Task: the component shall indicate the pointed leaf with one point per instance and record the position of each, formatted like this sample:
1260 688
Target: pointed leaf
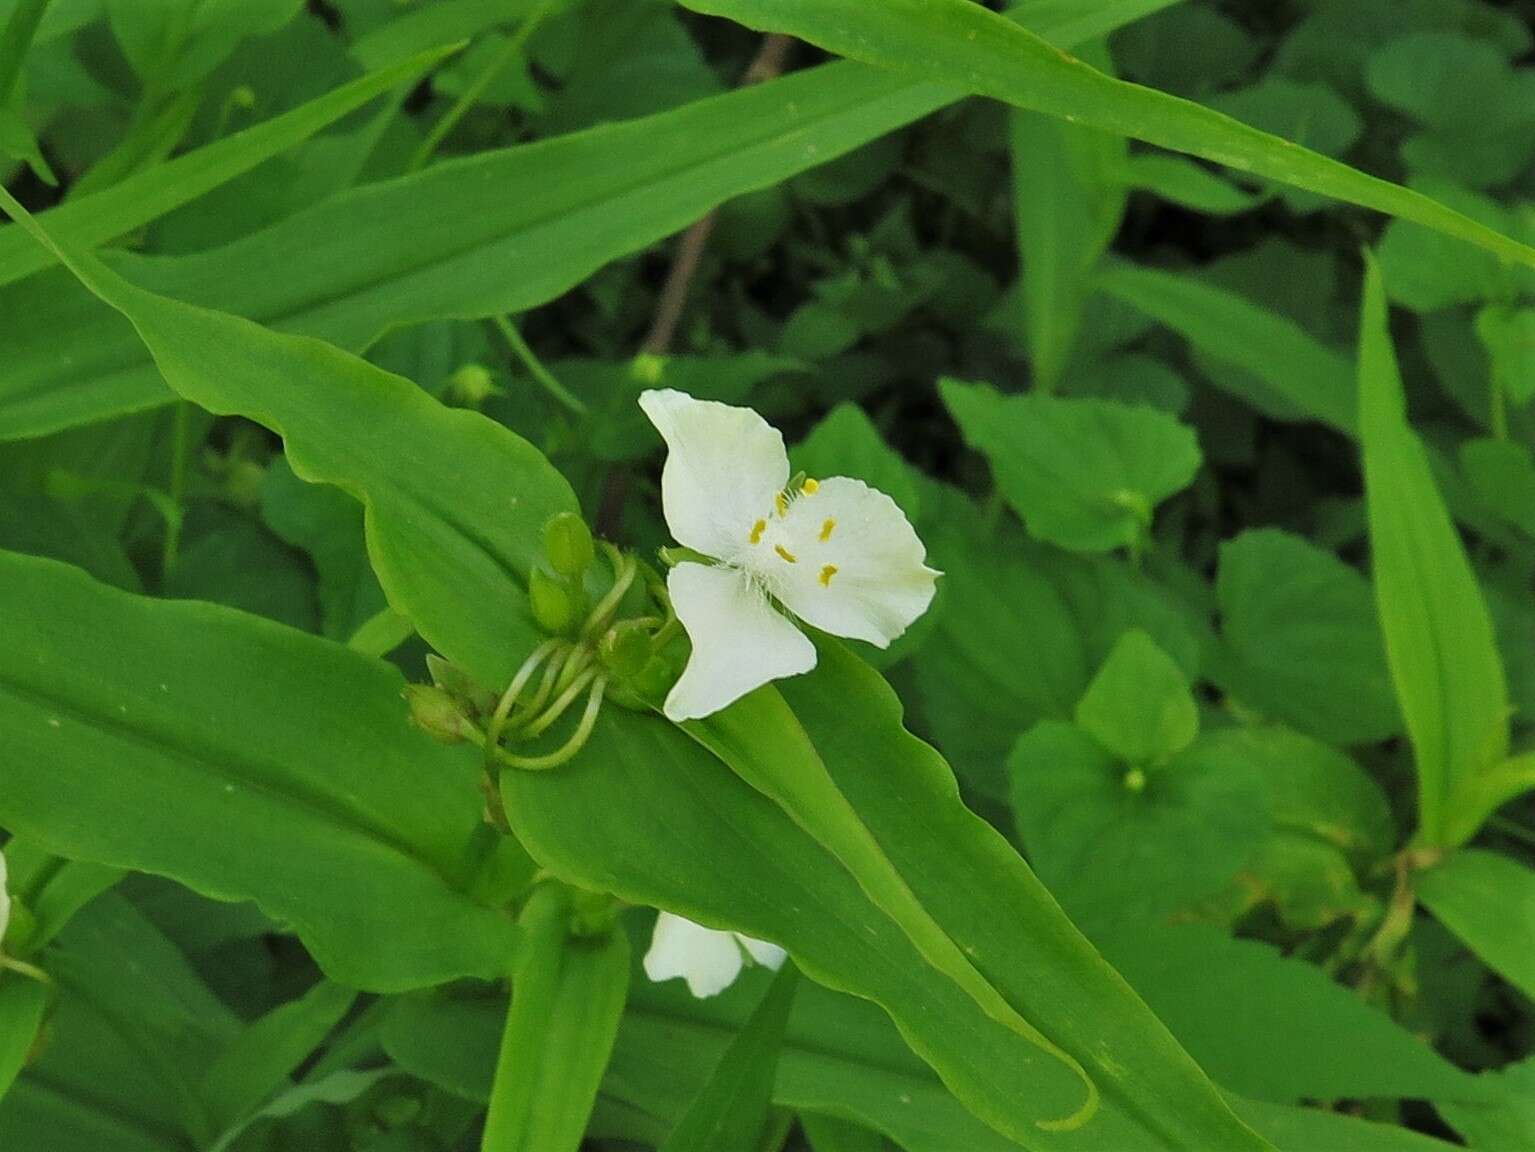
144 754
1488 901
1439 640
731 1113
567 996
965 44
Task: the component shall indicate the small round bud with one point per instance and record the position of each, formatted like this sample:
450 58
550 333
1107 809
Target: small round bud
1135 780
435 712
625 649
556 605
592 914
471 386
459 684
568 544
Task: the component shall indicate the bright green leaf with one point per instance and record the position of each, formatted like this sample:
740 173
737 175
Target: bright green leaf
1109 839
731 1113
567 996
1439 641
1488 901
964 44
1316 380
139 754
1139 706
1303 639
1084 474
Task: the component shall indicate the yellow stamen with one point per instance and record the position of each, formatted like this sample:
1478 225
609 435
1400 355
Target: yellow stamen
826 530
809 487
781 502
757 530
826 574
785 553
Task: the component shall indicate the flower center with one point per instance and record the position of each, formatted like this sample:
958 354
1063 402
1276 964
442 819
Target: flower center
785 537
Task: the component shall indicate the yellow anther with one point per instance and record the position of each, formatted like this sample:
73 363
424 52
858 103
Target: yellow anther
826 574
809 487
757 530
781 502
786 554
826 530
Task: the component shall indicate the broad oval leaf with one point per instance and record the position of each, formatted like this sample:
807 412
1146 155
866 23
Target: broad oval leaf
1304 643
246 761
1086 475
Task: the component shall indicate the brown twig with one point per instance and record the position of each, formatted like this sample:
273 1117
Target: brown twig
768 63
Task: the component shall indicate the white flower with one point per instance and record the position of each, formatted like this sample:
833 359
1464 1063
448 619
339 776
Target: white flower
707 959
838 554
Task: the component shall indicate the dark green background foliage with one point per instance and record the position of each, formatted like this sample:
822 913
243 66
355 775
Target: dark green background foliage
1202 359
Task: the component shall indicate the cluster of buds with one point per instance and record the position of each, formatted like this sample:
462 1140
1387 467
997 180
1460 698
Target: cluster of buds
609 636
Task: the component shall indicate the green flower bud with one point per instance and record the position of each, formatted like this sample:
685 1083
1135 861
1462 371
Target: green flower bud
592 914
471 386
625 649
556 603
459 684
568 544
435 712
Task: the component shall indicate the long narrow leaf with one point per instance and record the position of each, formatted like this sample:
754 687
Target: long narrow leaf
962 43
498 232
567 997
1439 640
148 195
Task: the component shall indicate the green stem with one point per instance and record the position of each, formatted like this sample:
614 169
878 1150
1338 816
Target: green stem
471 95
545 378
1499 406
180 437
557 709
624 570
503 710
22 968
572 746
546 683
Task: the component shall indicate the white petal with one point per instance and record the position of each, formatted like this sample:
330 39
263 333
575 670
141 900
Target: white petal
768 955
844 558
724 466
740 641
708 960
5 899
